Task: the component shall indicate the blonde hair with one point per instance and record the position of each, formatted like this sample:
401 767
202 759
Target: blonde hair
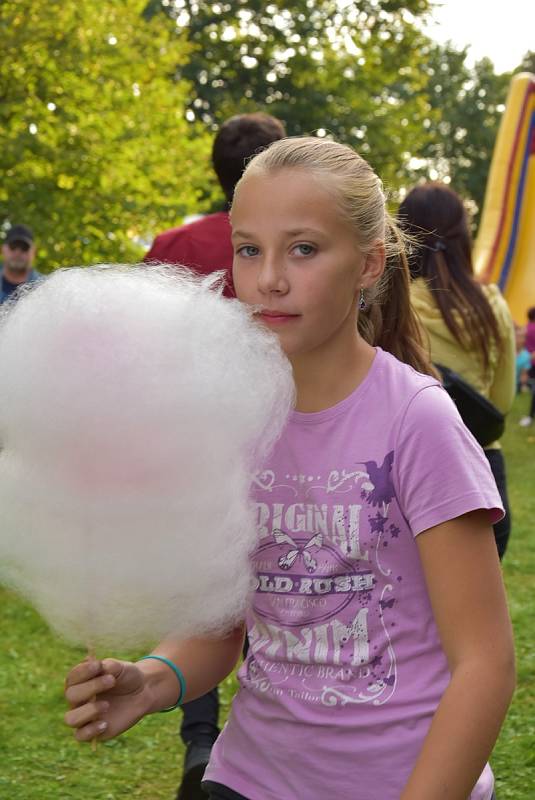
388 319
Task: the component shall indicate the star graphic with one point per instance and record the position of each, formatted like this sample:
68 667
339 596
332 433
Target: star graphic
377 523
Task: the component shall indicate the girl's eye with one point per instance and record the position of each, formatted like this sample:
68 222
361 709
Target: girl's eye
247 250
304 249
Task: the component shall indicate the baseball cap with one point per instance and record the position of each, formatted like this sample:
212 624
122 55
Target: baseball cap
20 233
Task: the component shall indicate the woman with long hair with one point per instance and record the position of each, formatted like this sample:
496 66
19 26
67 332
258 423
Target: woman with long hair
469 324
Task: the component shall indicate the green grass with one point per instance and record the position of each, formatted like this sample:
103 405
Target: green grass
39 759
514 756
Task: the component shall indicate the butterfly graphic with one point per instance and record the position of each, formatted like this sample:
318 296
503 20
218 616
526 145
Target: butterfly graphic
286 561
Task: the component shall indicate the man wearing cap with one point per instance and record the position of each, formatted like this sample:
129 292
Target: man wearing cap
18 253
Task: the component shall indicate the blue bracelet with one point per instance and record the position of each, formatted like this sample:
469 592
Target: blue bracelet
179 675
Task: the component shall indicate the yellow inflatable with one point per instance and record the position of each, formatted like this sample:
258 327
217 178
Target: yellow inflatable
505 247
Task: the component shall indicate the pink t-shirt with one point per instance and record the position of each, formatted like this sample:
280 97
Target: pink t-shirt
345 667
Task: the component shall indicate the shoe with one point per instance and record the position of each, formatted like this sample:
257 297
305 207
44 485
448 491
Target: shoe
195 762
525 422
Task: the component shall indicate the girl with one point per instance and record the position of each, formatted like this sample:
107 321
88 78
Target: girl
381 661
469 325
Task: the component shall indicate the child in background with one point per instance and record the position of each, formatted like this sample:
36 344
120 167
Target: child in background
523 360
381 661
529 345
530 331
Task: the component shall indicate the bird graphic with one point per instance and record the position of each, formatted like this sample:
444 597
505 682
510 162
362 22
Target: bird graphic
383 488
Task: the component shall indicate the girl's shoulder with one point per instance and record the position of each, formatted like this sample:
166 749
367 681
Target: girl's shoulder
400 388
404 379
416 396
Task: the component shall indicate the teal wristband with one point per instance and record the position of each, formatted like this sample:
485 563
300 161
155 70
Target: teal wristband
180 678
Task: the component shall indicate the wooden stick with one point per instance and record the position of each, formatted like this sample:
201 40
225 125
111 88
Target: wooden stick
91 657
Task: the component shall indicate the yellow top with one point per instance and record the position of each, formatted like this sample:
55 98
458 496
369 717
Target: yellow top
497 382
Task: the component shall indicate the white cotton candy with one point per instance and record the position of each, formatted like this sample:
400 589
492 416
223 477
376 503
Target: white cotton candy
135 403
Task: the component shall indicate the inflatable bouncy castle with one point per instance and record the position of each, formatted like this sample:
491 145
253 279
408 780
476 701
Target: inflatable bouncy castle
505 246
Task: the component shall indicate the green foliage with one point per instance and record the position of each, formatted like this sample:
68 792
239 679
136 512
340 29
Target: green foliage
353 70
528 63
108 108
468 104
363 72
40 758
95 152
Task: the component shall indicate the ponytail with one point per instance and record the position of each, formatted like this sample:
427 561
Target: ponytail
389 320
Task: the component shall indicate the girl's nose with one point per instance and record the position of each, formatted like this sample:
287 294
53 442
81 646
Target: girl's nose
272 277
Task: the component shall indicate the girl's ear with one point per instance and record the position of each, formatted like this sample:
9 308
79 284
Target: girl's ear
374 264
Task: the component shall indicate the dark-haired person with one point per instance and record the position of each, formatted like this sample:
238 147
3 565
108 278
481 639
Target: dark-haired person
205 246
18 253
469 325
529 344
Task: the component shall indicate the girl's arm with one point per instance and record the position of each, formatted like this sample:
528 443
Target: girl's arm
204 662
464 581
108 697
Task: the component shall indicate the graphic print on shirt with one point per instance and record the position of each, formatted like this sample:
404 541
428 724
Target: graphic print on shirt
324 603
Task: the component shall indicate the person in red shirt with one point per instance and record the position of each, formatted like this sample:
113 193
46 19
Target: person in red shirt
205 246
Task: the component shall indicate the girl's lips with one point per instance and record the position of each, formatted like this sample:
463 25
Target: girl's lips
275 317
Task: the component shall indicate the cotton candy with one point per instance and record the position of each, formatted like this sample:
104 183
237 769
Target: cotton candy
135 405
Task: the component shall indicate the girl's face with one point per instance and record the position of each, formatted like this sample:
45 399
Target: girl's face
298 260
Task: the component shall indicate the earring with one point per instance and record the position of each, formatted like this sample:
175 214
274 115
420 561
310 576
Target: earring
362 301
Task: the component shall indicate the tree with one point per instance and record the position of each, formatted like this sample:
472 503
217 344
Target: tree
528 63
467 104
96 153
345 68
